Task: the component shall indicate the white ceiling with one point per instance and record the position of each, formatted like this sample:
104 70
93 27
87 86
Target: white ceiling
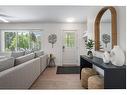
48 13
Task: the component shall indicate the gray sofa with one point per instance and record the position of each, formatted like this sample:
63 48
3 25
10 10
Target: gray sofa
26 70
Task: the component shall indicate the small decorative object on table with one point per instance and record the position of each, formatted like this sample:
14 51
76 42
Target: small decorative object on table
106 57
89 46
117 56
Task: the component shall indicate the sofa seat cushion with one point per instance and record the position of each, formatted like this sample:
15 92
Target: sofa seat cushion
39 53
24 58
17 54
6 63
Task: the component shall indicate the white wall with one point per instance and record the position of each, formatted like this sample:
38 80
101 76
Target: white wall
121 27
56 28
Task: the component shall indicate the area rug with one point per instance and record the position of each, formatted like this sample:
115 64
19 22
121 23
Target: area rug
68 70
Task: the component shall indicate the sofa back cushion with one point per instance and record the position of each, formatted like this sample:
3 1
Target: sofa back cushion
24 58
6 54
17 54
28 52
2 57
39 53
6 63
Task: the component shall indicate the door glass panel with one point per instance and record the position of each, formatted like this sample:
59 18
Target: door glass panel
69 39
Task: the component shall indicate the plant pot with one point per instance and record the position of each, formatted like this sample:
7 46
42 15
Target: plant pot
90 54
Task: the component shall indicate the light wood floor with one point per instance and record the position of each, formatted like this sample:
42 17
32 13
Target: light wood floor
50 80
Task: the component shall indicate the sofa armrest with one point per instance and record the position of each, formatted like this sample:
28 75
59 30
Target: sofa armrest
43 62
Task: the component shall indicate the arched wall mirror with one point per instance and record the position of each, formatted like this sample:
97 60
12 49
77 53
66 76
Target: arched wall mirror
105 29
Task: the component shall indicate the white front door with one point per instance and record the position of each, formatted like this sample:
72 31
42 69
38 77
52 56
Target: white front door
69 49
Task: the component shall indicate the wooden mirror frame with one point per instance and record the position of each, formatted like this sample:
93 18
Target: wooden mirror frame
113 26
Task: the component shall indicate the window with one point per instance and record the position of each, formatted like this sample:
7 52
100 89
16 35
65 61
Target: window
17 40
35 40
10 40
69 39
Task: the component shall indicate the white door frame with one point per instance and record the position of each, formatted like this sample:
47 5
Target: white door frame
76 35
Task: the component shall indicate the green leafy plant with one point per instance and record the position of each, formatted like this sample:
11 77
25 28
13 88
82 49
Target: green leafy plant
33 37
89 44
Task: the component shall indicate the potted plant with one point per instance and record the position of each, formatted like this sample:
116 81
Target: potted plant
89 46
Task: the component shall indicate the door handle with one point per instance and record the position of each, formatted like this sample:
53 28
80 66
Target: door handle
63 48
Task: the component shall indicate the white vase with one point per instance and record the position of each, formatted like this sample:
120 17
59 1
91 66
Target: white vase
106 57
117 56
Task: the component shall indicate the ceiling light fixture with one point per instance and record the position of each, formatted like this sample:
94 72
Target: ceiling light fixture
4 20
70 19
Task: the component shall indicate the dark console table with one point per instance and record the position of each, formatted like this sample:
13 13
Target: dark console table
114 76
